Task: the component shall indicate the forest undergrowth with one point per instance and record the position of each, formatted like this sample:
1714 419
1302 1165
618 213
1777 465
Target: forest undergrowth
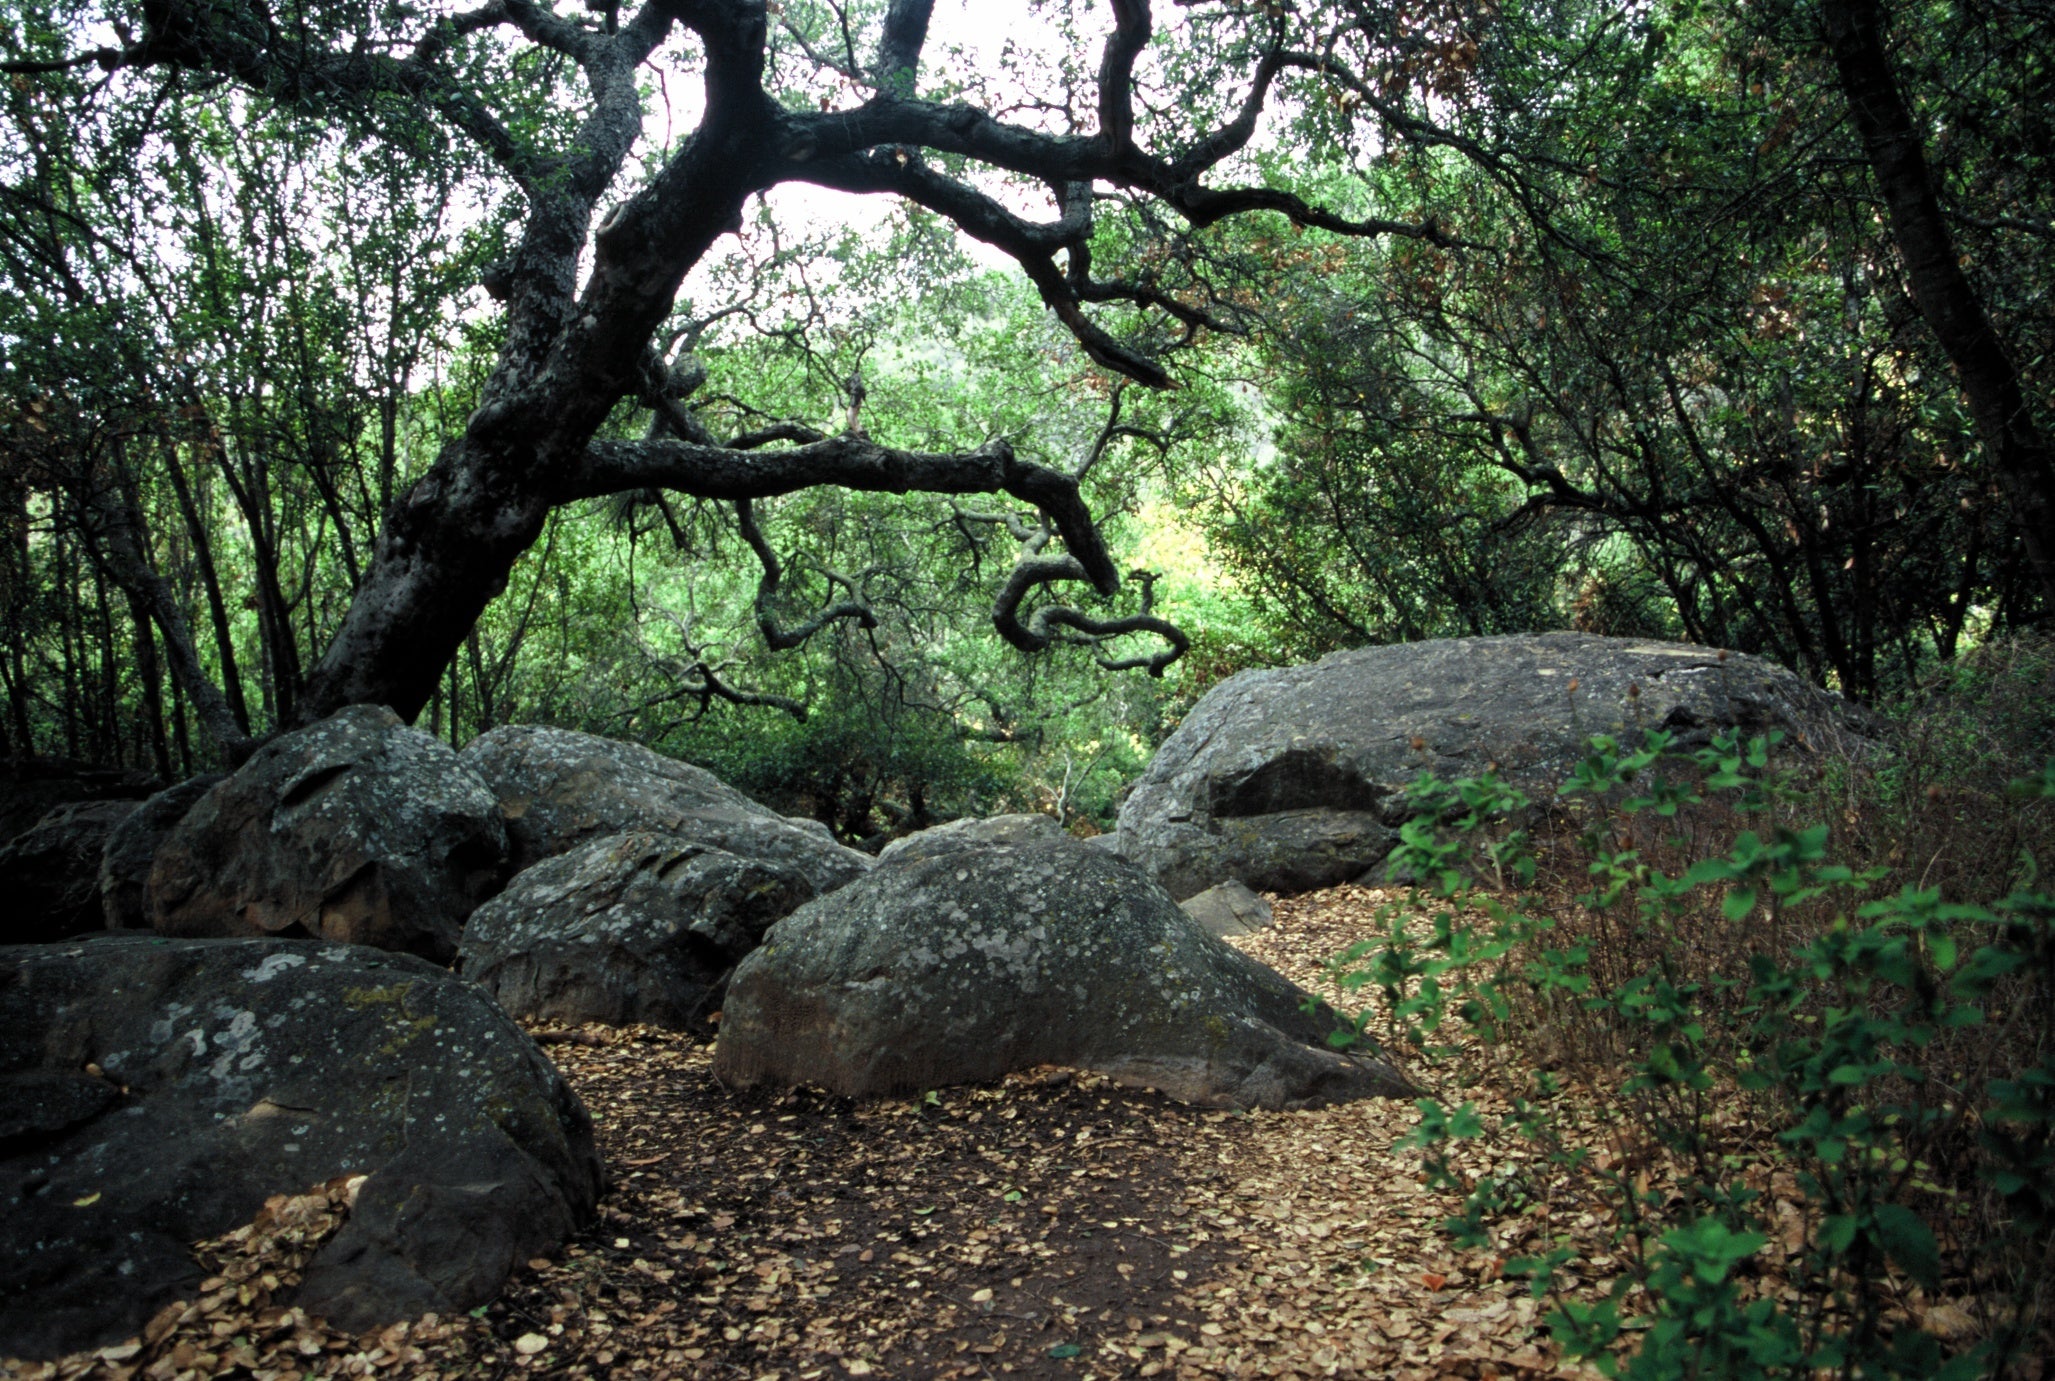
1809 998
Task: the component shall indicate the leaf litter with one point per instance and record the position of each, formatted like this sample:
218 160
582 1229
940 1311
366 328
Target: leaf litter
1051 1225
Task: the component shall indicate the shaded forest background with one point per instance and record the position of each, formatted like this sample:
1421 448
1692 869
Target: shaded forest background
1657 369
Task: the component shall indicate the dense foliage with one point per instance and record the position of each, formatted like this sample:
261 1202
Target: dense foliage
1563 314
1674 380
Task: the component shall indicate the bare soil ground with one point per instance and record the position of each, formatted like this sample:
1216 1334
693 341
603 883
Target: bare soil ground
1053 1225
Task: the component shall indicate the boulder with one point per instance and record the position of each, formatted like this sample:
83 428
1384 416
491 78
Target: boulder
962 965
811 826
634 927
356 829
969 834
50 875
1294 778
154 1092
1228 908
132 849
559 788
30 788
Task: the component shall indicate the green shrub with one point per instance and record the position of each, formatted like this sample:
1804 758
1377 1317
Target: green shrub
1763 1011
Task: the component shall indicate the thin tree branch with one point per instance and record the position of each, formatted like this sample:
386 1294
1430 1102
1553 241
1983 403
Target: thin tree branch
781 639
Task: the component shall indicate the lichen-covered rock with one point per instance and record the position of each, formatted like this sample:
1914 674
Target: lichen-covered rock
1294 778
132 849
154 1092
969 834
356 829
1228 908
50 874
972 962
637 927
559 788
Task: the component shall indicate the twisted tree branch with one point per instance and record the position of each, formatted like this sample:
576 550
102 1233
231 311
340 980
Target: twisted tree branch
778 638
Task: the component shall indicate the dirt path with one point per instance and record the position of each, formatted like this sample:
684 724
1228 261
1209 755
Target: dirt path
1052 1226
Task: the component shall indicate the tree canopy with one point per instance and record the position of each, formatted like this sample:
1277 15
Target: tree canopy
483 362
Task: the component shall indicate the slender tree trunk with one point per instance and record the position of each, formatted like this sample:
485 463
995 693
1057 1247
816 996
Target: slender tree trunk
481 685
1940 289
217 606
67 605
151 673
180 737
107 733
22 742
122 549
252 491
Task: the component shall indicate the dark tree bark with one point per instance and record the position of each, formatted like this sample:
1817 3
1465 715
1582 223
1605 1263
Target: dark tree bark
1942 291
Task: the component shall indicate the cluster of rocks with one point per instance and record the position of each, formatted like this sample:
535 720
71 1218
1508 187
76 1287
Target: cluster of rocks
243 984
238 987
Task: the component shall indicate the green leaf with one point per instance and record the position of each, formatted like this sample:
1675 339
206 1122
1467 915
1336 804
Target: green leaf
1063 1352
1910 1243
1737 905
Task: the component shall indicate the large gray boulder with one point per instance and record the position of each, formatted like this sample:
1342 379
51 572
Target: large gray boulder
154 1092
968 963
559 788
131 851
637 927
1294 779
50 874
969 833
356 829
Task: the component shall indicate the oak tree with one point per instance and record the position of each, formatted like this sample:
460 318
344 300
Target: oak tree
612 218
